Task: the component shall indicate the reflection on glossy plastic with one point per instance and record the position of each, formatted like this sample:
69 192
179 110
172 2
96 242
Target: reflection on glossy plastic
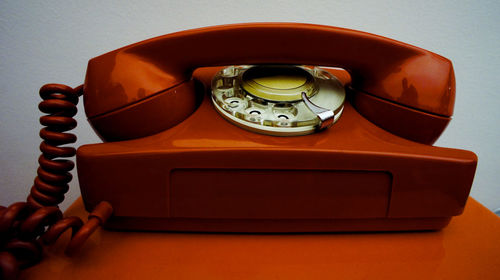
466 249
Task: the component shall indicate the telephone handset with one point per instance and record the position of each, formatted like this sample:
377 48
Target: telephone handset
151 81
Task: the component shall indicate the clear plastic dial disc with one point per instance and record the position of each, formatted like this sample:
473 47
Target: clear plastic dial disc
281 100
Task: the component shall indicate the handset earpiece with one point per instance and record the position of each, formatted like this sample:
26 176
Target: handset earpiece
151 115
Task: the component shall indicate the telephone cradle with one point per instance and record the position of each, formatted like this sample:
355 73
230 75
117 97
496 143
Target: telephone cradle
262 127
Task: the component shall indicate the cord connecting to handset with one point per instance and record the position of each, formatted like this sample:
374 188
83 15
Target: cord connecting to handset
25 226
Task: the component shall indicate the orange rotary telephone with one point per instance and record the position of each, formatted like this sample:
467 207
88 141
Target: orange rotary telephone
247 128
186 151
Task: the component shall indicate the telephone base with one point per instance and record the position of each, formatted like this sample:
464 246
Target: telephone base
206 174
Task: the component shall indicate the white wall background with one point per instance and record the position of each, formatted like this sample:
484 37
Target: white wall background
51 41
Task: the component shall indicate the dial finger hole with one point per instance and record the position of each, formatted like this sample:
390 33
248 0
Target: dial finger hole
234 103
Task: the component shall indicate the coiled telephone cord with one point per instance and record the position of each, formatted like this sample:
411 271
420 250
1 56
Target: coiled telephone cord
25 226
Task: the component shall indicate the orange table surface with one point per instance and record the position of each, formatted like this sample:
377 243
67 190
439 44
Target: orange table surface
469 248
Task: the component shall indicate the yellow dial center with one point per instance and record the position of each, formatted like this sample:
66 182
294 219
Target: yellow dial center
278 83
281 81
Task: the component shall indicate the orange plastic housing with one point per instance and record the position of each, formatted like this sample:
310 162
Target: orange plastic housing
172 163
